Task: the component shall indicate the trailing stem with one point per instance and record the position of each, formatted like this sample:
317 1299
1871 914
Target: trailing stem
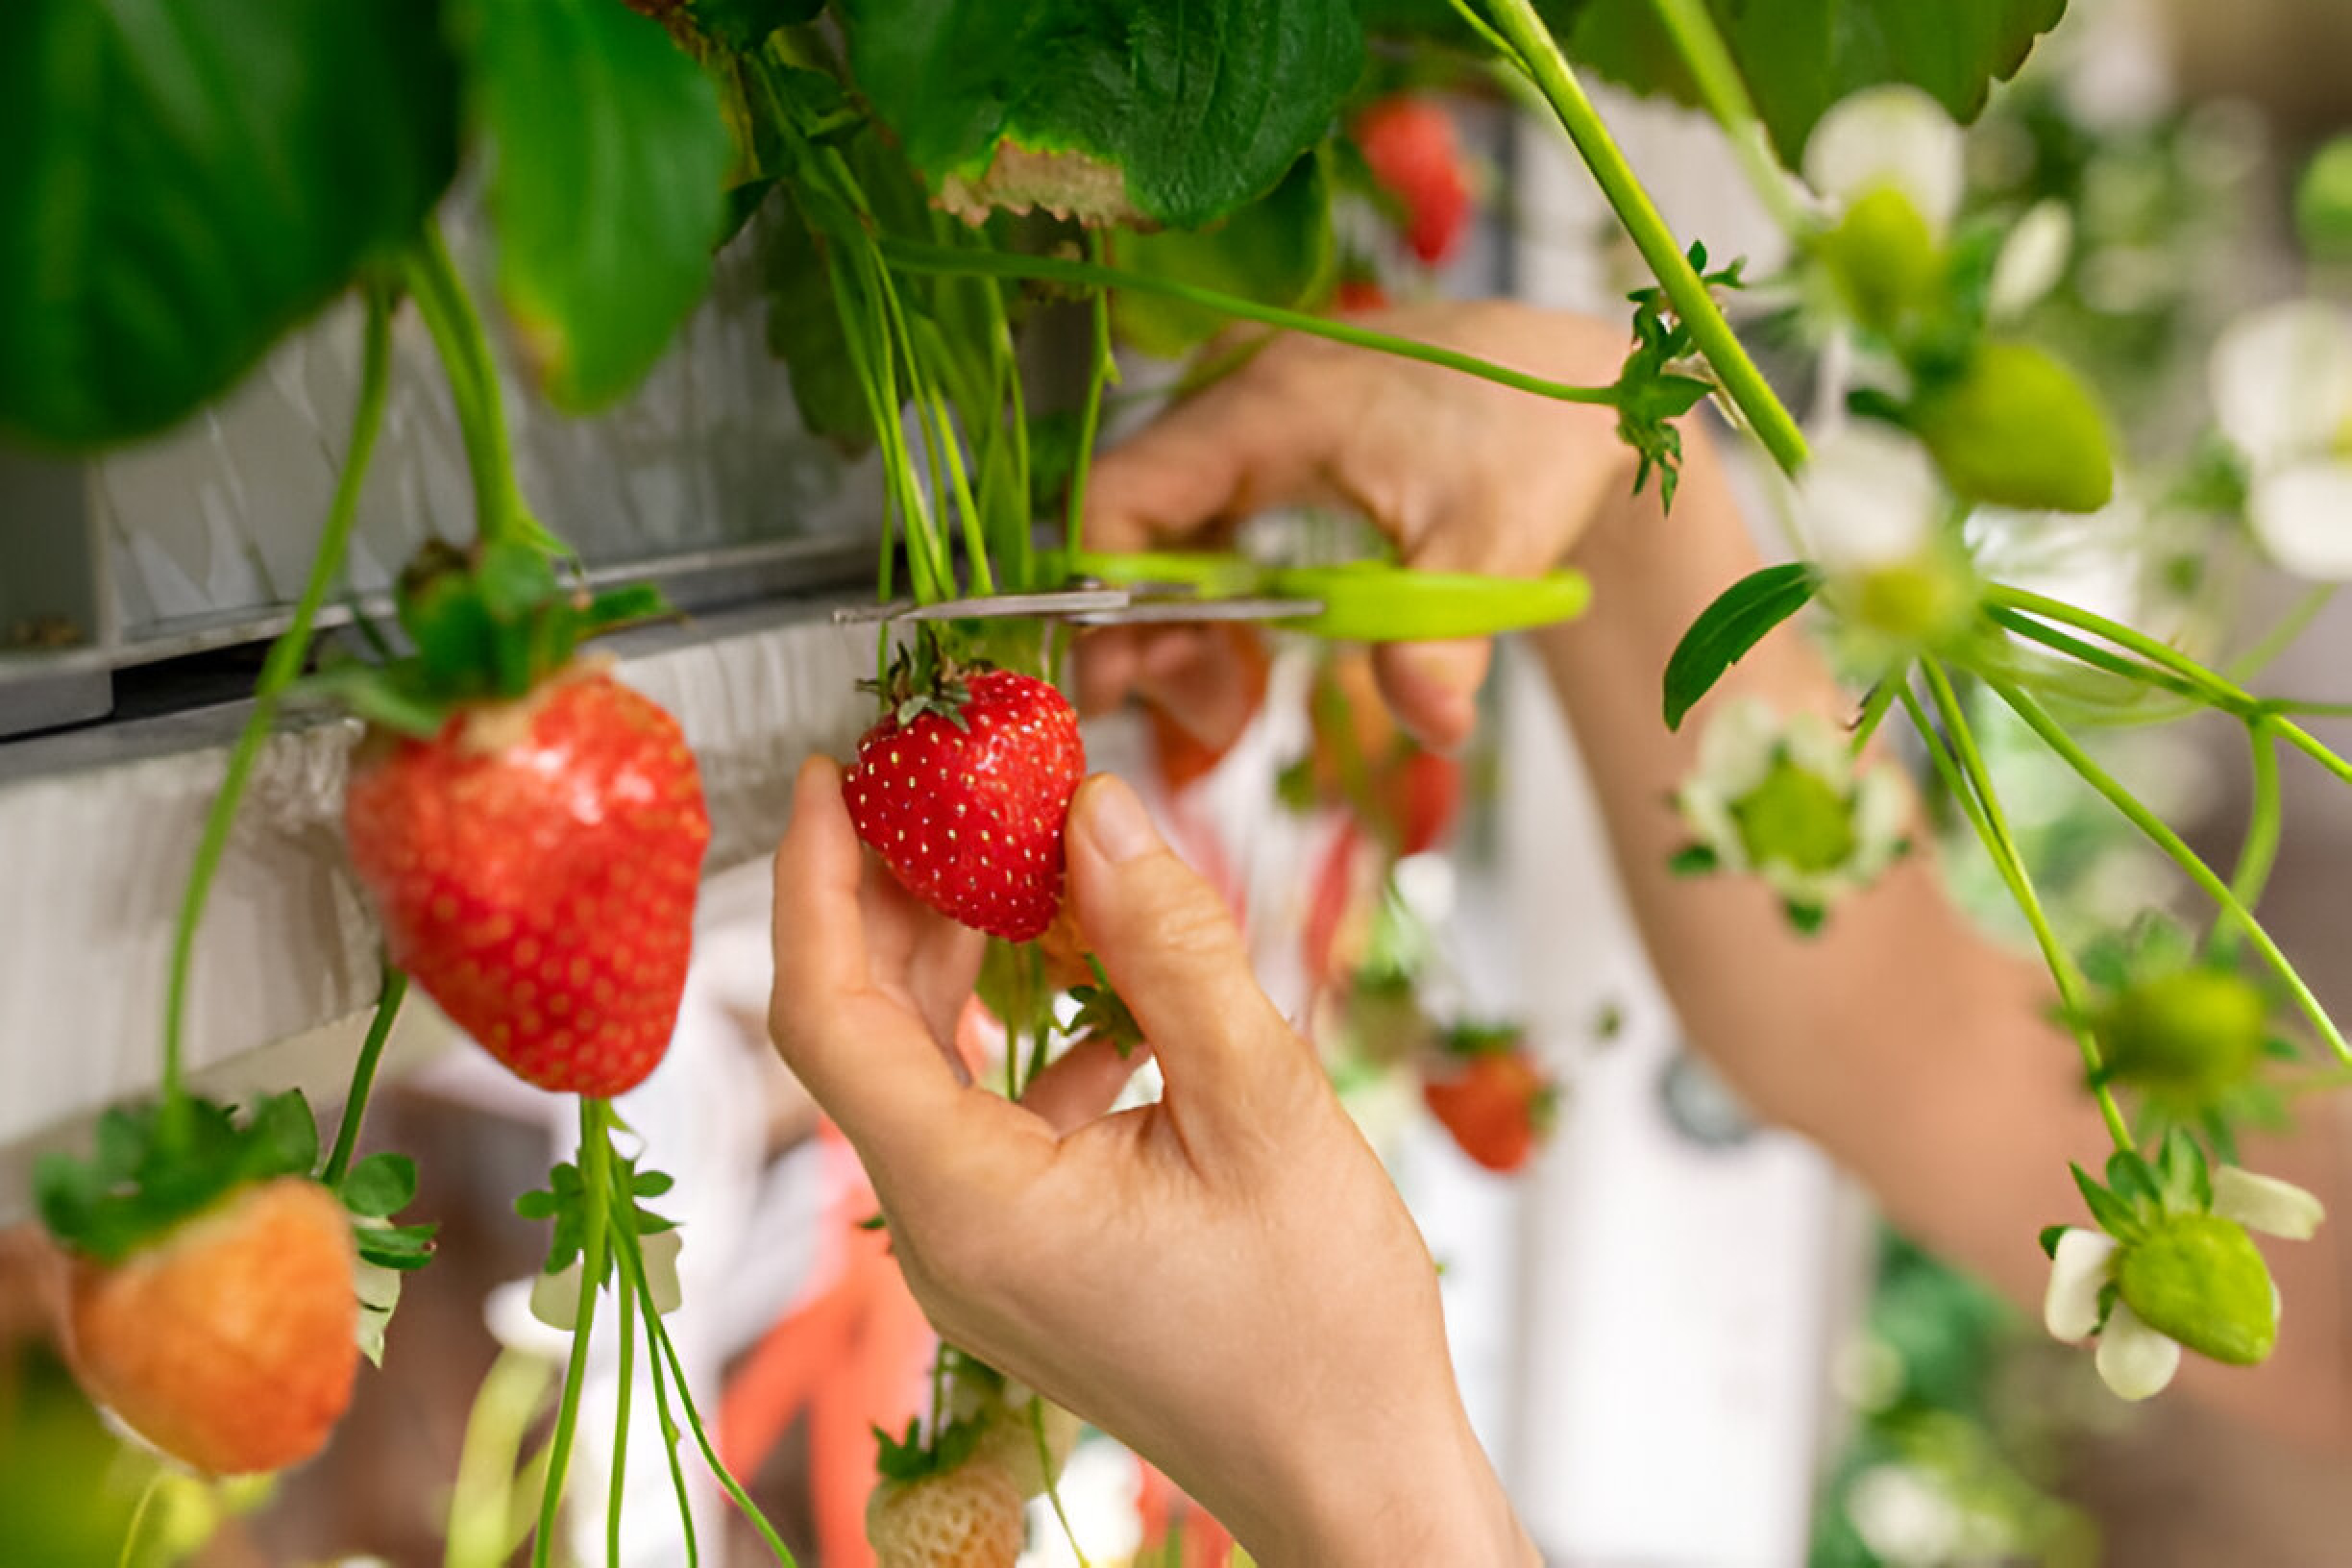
1742 381
279 667
1961 765
363 1073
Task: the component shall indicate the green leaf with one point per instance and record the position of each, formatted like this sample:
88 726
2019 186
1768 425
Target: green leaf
1694 860
2113 1216
1728 628
1799 56
741 25
804 328
380 1186
1195 109
608 186
282 1137
182 184
1276 251
652 1184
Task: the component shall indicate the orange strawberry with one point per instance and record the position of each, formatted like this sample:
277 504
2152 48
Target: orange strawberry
230 1341
964 787
535 864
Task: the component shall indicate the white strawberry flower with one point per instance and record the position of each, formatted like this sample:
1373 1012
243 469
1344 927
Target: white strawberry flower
2032 259
1785 799
2086 1296
2281 382
1889 138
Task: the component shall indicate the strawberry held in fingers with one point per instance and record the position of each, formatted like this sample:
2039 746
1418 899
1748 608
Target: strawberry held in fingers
964 788
535 847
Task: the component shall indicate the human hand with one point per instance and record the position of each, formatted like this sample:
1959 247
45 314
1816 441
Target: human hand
1225 1280
1461 475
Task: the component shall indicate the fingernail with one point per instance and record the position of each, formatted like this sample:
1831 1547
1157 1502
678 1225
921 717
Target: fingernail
1115 822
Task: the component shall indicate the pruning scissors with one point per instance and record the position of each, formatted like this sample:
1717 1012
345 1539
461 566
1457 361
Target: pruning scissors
1366 601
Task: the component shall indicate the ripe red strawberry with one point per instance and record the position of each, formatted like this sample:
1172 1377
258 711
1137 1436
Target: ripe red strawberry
969 1515
1493 1098
964 789
535 866
1410 146
230 1341
1423 792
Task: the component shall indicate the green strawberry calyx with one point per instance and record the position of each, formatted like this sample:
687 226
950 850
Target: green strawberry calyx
483 625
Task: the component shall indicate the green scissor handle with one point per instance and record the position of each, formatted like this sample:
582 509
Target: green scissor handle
1369 601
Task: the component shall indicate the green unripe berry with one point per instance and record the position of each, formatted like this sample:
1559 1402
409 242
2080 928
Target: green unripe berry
2324 202
2018 429
1884 259
1795 816
2194 1032
2197 1278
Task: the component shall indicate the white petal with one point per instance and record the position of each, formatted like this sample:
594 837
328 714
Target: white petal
661 1254
2303 517
1888 136
2078 1270
1703 807
554 1298
1868 499
2281 380
2134 1359
1737 750
2265 1204
2032 259
1819 746
1883 810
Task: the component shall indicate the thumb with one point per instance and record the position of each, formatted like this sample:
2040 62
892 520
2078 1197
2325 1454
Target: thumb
1171 949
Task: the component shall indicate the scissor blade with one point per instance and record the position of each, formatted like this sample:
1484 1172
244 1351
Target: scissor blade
1061 603
1167 611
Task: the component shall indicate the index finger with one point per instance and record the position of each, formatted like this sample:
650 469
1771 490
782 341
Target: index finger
868 1058
1244 445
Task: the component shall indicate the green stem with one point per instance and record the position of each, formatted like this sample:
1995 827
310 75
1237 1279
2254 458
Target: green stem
663 1349
2097 658
596 1192
618 1483
1981 803
1053 1486
1692 28
279 667
927 564
1874 706
1742 381
2264 823
1099 368
2158 833
500 514
2282 633
363 1074
130 1556
2213 687
669 1424
1052 269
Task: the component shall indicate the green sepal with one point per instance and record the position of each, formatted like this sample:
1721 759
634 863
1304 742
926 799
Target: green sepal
1482 1038
485 625
1694 860
2113 1216
1649 392
2185 1183
1806 920
910 1458
2052 1236
564 1200
2130 1178
1103 1013
151 1169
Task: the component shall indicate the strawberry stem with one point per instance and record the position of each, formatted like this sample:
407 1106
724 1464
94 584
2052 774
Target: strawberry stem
1053 1482
616 1485
595 1194
661 1405
279 667
499 512
363 1074
1100 368
661 1350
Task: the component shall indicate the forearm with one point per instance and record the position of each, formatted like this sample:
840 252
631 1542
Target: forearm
1916 1052
1437 1501
1892 1035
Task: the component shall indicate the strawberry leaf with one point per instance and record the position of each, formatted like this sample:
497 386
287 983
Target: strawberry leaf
380 1186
